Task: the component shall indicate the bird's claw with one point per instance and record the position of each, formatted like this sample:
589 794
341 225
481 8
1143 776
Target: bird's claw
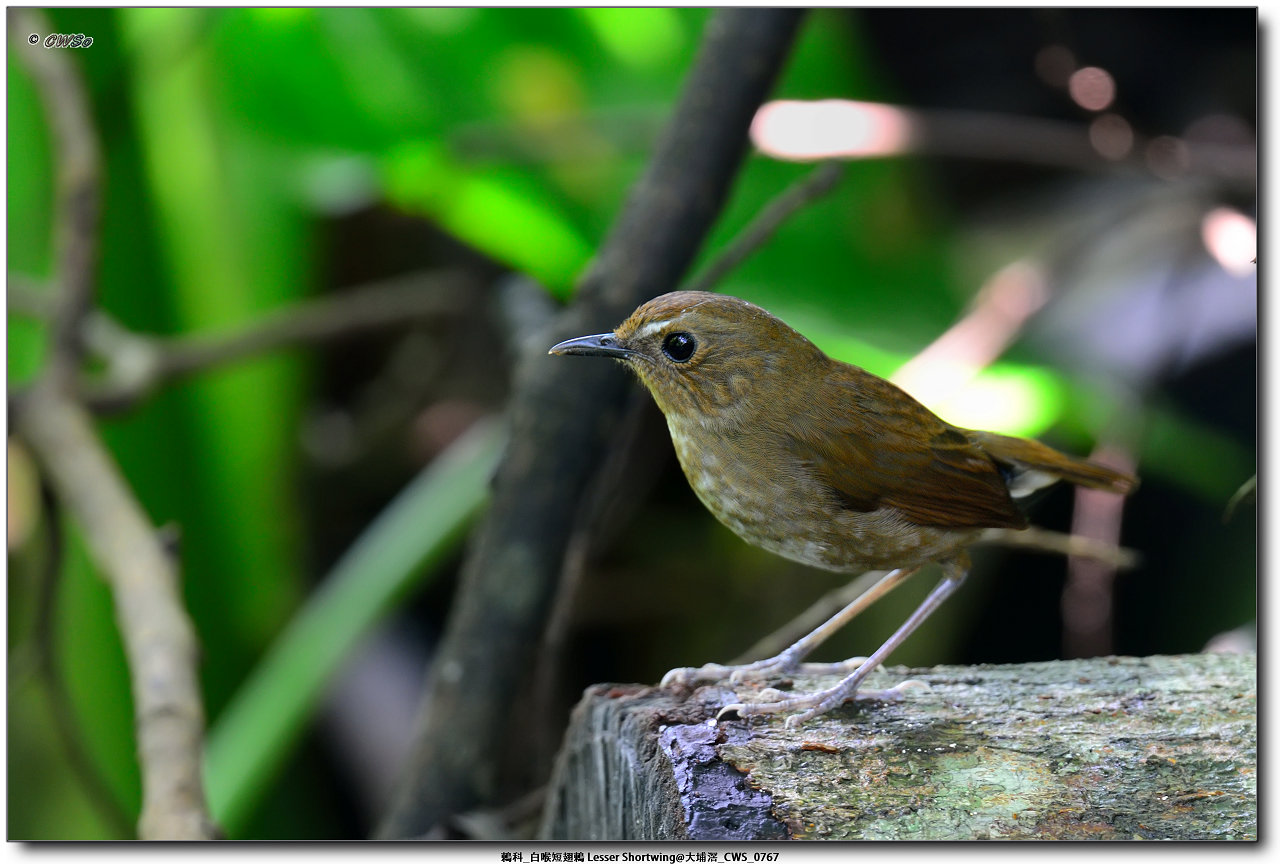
741 674
810 705
687 675
731 708
902 686
684 676
677 677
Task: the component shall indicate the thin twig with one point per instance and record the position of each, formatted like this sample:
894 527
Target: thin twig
1039 539
137 365
401 300
1055 542
76 208
1248 490
809 620
794 198
395 301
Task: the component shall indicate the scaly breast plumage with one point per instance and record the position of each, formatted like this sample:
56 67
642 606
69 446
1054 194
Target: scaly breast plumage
783 515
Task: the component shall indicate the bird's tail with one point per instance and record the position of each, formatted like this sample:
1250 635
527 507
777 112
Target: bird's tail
1031 465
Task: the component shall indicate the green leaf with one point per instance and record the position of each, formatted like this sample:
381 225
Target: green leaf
232 245
394 555
506 219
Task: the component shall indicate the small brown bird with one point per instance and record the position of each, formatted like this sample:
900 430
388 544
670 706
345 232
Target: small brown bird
823 463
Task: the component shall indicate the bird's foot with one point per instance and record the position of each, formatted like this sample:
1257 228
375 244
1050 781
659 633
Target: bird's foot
685 676
783 664
810 705
733 674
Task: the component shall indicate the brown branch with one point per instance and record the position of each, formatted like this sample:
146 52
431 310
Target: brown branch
158 637
562 419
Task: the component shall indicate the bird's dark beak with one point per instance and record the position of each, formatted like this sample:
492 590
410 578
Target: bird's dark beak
602 345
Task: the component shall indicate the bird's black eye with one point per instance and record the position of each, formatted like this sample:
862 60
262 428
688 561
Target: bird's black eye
679 346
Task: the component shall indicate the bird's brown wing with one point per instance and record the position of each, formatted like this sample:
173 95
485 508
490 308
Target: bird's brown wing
1025 454
875 446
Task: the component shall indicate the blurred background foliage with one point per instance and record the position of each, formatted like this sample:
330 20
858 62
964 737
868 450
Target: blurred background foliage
255 158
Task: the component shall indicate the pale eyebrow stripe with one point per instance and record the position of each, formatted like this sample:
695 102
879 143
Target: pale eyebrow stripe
651 328
656 326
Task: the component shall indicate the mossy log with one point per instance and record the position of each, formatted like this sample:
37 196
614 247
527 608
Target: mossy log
1108 748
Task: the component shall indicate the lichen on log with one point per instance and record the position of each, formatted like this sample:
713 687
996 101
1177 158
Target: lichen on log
1107 748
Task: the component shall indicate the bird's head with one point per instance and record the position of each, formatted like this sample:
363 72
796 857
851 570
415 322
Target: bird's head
706 356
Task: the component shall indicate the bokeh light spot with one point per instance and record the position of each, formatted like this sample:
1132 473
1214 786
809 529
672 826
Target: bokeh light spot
1111 136
641 38
1231 238
1010 398
1092 88
830 128
537 85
